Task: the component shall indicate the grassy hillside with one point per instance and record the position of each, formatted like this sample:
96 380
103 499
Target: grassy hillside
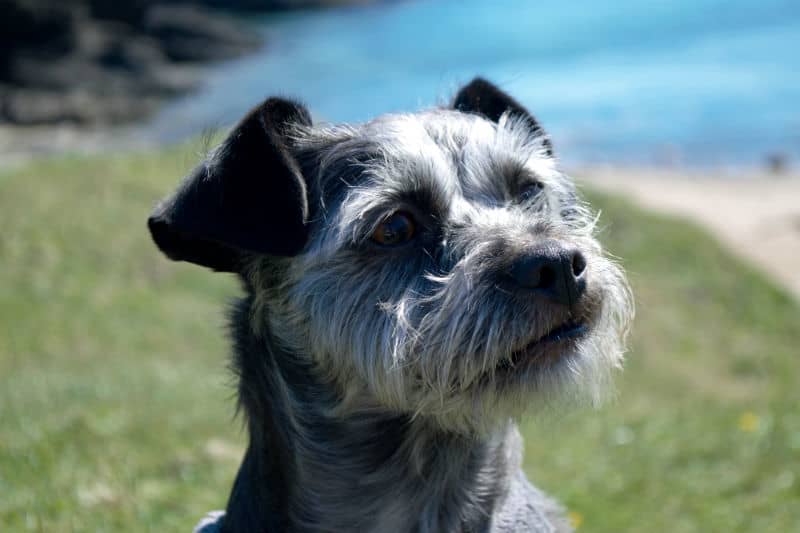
116 408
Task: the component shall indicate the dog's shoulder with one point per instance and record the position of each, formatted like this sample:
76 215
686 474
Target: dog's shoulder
526 508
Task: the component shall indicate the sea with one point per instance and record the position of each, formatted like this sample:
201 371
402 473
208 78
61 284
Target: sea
678 82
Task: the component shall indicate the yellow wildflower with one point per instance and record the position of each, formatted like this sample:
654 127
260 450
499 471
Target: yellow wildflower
748 422
575 519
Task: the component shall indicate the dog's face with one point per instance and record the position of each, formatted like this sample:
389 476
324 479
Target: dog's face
437 263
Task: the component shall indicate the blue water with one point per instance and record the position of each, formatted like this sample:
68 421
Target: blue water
696 82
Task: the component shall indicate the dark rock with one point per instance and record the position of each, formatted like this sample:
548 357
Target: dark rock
34 25
107 61
777 163
274 5
36 107
129 11
185 32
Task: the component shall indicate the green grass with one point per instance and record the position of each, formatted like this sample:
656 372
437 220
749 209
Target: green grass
116 409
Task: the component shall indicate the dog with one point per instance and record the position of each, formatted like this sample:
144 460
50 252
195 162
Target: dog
412 285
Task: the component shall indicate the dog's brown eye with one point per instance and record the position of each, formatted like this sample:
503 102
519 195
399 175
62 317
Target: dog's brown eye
396 229
529 192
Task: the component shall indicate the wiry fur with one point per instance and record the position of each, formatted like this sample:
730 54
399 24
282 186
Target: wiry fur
369 376
380 384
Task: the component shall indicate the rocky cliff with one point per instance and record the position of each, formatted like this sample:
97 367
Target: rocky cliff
97 62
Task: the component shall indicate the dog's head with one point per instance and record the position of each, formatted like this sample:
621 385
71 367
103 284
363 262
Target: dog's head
437 264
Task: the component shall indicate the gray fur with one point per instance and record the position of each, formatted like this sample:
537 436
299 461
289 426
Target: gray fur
380 404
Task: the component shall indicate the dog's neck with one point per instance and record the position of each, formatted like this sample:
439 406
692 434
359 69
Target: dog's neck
307 469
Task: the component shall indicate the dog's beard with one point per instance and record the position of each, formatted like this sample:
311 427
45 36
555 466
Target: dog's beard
448 356
564 373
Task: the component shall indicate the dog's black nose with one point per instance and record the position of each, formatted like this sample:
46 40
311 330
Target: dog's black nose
552 269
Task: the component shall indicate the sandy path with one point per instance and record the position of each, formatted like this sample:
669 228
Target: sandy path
757 217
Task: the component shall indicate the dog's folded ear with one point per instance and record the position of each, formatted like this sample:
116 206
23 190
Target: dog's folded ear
249 197
484 98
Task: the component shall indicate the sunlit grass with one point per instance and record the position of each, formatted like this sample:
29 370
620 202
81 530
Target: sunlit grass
116 409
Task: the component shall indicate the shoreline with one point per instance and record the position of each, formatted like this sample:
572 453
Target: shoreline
754 214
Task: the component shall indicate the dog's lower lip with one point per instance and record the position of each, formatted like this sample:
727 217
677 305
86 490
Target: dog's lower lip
568 330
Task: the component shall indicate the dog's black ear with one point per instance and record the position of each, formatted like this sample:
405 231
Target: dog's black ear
250 196
484 98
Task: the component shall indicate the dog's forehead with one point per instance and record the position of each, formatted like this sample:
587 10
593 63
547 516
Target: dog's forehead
455 151
446 152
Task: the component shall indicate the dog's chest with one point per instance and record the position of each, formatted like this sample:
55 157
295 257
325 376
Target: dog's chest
524 509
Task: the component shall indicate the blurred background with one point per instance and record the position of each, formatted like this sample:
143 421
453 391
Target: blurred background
707 82
679 119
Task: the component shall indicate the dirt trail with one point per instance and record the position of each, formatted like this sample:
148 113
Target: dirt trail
757 217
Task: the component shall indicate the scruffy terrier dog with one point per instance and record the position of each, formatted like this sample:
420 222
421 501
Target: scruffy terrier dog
412 284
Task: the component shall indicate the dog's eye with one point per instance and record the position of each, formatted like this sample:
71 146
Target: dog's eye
529 192
396 229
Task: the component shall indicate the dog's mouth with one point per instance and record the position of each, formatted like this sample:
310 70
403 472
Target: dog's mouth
551 344
568 330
